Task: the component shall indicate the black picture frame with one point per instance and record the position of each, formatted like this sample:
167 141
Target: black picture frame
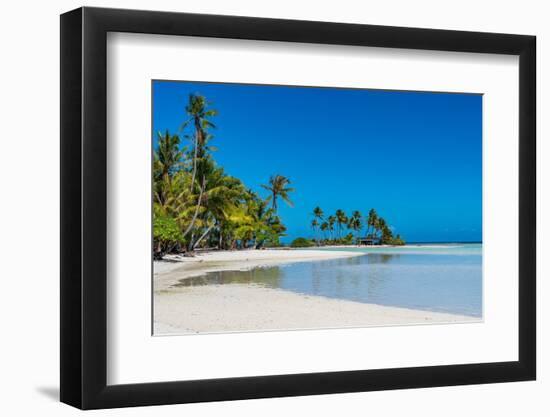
84 207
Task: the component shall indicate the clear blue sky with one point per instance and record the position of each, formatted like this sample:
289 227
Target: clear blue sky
415 157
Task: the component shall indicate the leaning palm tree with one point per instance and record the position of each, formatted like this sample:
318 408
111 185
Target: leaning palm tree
221 197
278 187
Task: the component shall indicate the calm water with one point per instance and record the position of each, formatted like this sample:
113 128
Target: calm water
442 277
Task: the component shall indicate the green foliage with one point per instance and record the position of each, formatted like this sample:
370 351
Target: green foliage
397 241
166 233
348 239
377 228
278 188
196 204
302 242
318 213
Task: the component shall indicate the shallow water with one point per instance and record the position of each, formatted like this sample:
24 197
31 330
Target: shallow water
444 278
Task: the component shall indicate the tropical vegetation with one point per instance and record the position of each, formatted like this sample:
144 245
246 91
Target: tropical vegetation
302 242
328 230
196 204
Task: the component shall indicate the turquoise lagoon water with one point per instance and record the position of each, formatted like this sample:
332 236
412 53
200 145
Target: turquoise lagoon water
436 277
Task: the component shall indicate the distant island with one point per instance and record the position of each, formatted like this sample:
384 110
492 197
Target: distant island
329 230
196 204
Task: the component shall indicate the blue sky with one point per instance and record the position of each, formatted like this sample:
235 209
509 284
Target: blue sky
414 156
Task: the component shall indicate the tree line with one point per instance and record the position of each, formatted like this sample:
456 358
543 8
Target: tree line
330 230
196 204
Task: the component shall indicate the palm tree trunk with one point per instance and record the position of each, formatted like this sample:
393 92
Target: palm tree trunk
203 186
194 162
203 236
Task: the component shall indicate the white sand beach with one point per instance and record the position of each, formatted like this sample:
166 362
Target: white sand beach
249 307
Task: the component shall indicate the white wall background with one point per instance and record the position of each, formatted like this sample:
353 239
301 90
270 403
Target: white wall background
29 174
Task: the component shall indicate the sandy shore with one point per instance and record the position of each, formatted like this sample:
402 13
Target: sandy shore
175 268
240 307
235 307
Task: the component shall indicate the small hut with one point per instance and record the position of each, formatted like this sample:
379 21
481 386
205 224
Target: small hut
368 241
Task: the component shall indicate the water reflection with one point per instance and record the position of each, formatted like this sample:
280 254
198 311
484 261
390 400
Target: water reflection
444 283
269 277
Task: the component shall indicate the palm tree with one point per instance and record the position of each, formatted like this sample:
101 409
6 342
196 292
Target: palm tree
220 198
355 222
387 235
171 209
166 161
324 228
331 220
278 187
196 204
314 226
372 220
262 217
376 227
341 219
318 213
199 115
197 209
318 216
168 153
381 224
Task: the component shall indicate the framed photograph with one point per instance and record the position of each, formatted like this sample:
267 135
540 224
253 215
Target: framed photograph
259 208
